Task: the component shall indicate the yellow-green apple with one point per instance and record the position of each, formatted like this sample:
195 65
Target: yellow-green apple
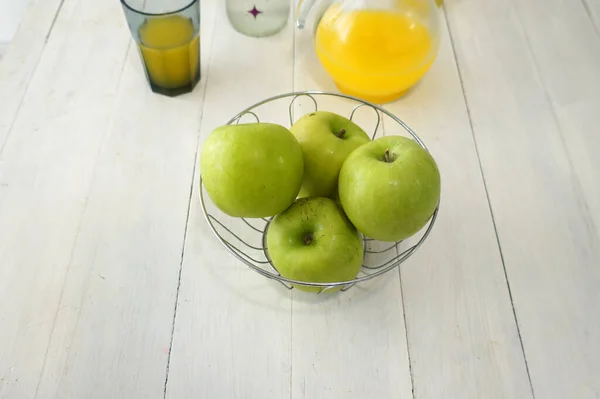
326 139
313 241
252 170
389 188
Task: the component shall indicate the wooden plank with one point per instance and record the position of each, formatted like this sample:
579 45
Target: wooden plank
572 87
45 172
559 30
21 56
462 335
350 344
232 330
546 230
593 9
123 279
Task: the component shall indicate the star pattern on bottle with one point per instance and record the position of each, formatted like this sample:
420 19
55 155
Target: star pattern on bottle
255 12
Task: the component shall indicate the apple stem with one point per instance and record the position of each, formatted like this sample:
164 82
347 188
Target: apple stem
387 157
341 133
308 239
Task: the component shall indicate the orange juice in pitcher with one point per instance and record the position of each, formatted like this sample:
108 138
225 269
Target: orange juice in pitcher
377 50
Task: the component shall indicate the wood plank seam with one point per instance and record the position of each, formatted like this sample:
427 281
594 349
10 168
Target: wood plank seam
548 97
291 346
384 122
410 370
220 348
577 186
591 15
187 219
12 123
54 20
291 349
487 194
77 233
410 360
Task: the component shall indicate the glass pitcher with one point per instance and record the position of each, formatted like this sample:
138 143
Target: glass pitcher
375 49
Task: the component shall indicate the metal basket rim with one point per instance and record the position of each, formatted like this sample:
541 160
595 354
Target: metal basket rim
402 257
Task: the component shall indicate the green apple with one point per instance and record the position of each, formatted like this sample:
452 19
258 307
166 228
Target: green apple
326 139
389 188
313 241
252 170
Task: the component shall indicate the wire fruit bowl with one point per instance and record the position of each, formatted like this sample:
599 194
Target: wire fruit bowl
246 238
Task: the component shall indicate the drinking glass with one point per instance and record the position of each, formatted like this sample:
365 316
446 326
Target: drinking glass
167 34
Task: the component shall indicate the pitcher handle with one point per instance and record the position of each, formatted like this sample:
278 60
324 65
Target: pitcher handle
303 9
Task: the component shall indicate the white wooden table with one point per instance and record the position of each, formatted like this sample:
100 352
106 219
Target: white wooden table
112 286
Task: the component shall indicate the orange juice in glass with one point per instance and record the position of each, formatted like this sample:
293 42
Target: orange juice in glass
168 38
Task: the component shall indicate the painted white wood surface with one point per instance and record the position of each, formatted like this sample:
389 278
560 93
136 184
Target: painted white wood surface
24 51
95 179
524 65
233 327
593 9
462 337
117 303
351 345
46 166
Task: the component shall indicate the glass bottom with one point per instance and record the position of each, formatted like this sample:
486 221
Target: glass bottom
174 91
172 71
374 99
